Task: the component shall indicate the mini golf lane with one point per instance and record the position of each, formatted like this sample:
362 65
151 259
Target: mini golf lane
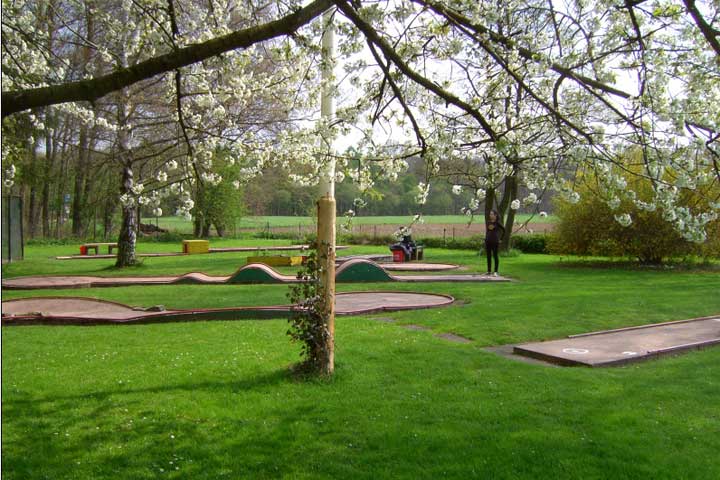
353 271
89 311
616 347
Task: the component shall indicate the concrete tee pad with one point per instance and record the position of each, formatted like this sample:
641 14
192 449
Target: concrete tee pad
617 347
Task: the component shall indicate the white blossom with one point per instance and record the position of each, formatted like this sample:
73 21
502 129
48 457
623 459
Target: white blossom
531 199
424 191
515 204
625 220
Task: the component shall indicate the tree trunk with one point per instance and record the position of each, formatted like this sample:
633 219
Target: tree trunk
64 208
78 190
126 241
32 203
510 194
45 201
108 215
205 229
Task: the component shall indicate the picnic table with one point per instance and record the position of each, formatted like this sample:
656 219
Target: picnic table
85 247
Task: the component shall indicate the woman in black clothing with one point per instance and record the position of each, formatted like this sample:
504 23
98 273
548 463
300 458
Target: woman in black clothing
494 231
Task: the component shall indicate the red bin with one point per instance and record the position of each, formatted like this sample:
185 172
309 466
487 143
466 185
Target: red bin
83 250
398 256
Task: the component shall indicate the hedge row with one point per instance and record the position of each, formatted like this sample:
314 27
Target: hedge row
526 243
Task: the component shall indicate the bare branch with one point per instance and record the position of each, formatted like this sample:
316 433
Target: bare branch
89 90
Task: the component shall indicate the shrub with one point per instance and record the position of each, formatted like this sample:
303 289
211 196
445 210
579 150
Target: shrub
589 228
530 243
165 237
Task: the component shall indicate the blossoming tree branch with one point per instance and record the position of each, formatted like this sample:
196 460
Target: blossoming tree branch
525 96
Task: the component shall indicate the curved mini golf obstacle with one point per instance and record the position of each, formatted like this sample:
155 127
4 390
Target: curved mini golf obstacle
352 271
89 311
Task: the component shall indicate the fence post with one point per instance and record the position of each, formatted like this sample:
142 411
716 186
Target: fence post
444 233
453 234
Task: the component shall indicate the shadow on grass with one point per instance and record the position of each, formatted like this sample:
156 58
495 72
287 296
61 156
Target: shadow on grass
252 383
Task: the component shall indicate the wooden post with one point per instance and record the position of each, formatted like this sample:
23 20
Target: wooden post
326 259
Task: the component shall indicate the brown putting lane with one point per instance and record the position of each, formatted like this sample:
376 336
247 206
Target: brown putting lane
89 311
355 270
617 347
418 267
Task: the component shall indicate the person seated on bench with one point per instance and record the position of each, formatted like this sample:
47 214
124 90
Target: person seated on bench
406 243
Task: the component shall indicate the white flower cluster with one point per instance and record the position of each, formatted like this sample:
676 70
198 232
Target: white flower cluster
9 176
624 219
515 204
127 200
185 207
211 178
457 189
402 232
423 192
137 188
531 199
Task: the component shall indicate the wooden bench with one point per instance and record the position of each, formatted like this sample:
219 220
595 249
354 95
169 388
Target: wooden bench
86 247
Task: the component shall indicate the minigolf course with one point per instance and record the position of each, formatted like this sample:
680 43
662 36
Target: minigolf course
352 271
625 345
89 311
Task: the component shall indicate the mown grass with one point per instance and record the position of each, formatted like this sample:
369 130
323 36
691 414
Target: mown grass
215 399
179 224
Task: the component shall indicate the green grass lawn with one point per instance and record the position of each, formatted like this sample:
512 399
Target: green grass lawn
179 224
215 400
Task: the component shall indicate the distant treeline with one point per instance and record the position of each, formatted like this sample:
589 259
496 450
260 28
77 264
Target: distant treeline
386 198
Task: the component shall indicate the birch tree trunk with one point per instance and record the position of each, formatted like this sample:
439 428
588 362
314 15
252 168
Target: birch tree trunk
128 228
